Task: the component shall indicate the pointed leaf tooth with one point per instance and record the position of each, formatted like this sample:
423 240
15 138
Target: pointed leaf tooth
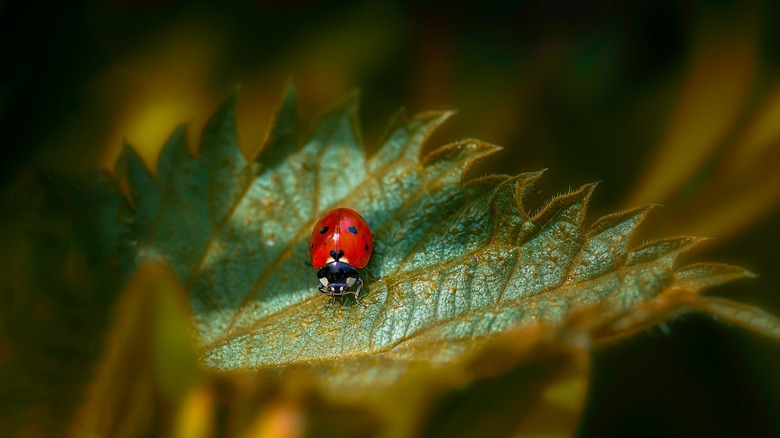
700 276
184 228
606 247
146 205
528 227
143 188
528 180
569 208
669 248
174 156
120 175
219 140
514 188
342 115
283 135
119 169
508 219
398 122
630 219
461 155
406 137
167 163
228 173
137 172
743 315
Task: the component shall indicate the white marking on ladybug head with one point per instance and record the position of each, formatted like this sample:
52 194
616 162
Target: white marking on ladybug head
344 260
351 281
324 281
329 260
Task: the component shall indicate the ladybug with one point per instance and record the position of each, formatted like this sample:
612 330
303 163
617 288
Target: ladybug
340 246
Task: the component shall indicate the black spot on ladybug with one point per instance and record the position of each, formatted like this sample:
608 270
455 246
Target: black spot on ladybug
336 254
352 230
312 246
366 247
323 230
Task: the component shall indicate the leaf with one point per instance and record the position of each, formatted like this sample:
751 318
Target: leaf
148 364
462 261
713 93
714 168
55 308
543 397
148 383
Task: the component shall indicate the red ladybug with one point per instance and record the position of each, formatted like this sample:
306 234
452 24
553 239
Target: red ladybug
340 245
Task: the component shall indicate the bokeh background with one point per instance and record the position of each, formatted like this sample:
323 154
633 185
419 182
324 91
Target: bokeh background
674 103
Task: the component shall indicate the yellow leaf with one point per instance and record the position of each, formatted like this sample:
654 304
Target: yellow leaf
148 364
712 97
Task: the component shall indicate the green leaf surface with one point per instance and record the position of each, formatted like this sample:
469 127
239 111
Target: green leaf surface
461 258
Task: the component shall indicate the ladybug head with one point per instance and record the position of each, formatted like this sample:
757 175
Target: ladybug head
337 277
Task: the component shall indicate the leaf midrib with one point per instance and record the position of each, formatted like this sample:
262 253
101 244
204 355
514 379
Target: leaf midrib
441 322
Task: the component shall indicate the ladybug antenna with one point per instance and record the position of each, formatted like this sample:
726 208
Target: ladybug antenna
336 254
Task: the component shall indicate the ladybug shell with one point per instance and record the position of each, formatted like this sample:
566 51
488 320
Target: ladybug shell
341 229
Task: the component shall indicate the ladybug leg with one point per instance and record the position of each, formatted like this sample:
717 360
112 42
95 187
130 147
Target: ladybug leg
371 274
357 292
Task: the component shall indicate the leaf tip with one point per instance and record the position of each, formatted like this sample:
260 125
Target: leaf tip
743 315
476 149
288 101
230 102
635 215
223 117
288 89
350 101
344 108
707 274
281 137
532 177
425 123
468 151
659 248
433 119
559 203
439 116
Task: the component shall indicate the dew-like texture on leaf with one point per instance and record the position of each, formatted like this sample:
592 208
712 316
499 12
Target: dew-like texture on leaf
460 258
